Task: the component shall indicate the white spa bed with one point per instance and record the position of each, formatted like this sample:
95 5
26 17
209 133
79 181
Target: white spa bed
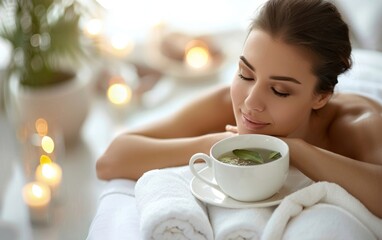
117 216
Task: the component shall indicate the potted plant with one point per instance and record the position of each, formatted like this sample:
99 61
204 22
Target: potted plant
45 75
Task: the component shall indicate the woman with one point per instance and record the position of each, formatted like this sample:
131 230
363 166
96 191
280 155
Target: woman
284 85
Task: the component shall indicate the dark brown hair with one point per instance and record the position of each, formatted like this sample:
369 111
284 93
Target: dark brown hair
315 25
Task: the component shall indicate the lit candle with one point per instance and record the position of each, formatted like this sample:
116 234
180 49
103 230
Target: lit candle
94 27
49 173
121 46
37 196
197 54
119 93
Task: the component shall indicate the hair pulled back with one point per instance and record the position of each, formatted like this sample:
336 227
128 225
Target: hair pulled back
315 25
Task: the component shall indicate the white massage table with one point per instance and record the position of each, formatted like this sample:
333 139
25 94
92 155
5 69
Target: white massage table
117 216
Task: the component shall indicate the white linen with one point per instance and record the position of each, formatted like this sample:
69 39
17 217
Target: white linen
326 221
167 208
117 215
365 77
320 192
238 224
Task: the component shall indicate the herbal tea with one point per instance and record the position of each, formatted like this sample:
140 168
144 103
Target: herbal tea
247 157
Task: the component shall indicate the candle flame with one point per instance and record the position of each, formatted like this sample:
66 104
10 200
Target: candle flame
44 159
119 93
47 144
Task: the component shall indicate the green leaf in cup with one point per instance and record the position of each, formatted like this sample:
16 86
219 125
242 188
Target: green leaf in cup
274 155
248 155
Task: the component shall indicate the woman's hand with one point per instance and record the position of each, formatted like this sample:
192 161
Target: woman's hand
231 128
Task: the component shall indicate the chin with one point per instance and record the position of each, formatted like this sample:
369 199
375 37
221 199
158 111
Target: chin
242 130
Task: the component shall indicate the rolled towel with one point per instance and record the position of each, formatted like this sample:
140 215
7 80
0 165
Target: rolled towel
238 224
167 208
321 192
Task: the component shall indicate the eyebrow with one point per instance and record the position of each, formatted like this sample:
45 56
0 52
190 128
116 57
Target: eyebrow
280 78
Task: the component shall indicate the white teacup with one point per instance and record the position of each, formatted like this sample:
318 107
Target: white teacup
246 183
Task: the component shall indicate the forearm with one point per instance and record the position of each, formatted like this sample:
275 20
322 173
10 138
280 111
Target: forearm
360 179
129 156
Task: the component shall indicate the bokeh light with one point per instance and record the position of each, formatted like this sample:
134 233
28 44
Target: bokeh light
197 54
119 93
41 127
47 144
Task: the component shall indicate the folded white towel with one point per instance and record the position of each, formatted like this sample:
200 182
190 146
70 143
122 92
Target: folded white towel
320 192
238 224
167 208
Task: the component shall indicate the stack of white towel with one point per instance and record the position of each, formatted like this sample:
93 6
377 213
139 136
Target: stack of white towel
168 210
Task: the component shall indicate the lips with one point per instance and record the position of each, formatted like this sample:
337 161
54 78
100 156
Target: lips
253 124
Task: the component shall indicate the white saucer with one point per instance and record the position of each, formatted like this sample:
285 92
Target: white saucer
295 181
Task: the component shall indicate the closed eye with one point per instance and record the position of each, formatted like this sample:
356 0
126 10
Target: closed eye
245 78
280 94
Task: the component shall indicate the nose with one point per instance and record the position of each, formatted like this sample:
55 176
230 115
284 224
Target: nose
255 99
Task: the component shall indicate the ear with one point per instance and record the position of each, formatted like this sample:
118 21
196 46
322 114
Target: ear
320 100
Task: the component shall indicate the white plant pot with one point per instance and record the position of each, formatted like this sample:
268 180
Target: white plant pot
64 106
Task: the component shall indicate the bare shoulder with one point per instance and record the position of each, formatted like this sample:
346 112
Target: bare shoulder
356 127
208 112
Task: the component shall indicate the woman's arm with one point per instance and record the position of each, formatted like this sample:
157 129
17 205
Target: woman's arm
171 141
361 179
129 155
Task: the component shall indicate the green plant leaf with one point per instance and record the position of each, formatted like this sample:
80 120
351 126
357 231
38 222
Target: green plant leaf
45 36
248 155
274 155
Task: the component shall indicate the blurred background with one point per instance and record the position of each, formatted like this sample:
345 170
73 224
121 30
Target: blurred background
74 74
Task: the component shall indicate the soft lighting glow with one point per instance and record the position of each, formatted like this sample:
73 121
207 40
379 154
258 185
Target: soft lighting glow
121 43
47 144
94 27
121 46
119 93
36 194
37 191
41 127
49 173
197 54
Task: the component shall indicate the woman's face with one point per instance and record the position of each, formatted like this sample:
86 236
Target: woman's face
273 91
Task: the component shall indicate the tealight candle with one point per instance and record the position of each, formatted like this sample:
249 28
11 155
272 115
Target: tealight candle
120 46
37 196
119 93
197 54
50 173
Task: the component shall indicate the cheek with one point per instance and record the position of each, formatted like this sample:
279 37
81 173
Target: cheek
289 118
237 94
